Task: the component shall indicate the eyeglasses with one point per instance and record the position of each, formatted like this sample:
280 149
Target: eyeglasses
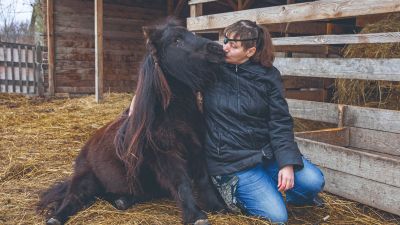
226 39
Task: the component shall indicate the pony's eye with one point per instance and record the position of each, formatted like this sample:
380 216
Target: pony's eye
178 42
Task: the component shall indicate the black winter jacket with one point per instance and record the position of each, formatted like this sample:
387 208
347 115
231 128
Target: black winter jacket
247 120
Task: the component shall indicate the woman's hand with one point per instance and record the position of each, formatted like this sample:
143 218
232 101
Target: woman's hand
286 178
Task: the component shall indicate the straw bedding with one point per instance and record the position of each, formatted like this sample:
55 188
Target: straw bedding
41 137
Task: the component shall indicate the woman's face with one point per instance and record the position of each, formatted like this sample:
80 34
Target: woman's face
235 53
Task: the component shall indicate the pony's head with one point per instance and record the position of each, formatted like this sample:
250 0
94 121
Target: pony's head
188 58
176 59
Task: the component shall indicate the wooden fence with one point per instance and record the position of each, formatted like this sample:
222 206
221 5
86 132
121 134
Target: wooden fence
361 159
20 69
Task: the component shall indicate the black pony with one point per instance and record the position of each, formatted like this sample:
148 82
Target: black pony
156 151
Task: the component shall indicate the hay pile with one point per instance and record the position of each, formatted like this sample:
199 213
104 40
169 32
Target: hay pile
377 94
40 139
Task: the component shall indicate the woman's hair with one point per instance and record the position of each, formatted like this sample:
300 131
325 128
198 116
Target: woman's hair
261 39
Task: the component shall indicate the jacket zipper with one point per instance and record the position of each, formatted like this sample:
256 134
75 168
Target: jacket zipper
238 89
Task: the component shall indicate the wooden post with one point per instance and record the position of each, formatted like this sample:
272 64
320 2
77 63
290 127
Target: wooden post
19 68
98 27
221 36
240 5
288 54
50 45
5 66
12 69
26 69
196 10
38 70
34 49
170 7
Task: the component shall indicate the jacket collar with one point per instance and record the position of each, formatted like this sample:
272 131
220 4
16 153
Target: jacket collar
248 66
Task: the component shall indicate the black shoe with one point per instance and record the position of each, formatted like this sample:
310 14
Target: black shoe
318 201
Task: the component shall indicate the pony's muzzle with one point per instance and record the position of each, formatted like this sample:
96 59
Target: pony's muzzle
215 48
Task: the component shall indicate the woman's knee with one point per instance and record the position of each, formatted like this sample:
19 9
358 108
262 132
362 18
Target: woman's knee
311 178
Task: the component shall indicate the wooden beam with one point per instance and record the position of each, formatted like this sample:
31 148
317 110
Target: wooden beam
390 37
196 10
50 45
351 68
366 191
371 118
311 49
385 142
194 2
309 11
353 116
384 168
333 136
317 111
99 55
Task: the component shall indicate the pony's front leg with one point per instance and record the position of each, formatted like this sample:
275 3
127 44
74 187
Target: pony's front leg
172 174
209 197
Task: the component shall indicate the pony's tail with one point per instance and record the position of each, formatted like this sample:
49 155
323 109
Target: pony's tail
51 199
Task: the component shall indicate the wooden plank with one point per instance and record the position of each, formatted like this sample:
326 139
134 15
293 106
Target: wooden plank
50 46
310 49
309 11
5 50
380 167
39 60
82 90
385 142
310 95
290 82
16 64
12 68
16 82
372 193
196 10
390 37
35 80
354 68
99 74
26 70
301 82
354 116
370 118
333 136
317 111
19 68
308 28
194 2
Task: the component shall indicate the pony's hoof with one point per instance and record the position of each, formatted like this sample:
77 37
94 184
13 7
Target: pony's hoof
202 222
53 221
121 204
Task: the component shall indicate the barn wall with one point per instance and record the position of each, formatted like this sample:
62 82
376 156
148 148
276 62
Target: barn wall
123 44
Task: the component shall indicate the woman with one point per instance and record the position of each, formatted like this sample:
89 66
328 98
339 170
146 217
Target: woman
251 152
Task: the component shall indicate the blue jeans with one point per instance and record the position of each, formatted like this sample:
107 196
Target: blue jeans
258 193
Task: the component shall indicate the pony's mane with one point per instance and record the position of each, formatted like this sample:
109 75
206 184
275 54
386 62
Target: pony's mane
135 132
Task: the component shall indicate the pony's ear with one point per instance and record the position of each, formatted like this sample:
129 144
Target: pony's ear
151 34
173 22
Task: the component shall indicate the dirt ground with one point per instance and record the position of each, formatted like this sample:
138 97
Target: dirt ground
41 137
